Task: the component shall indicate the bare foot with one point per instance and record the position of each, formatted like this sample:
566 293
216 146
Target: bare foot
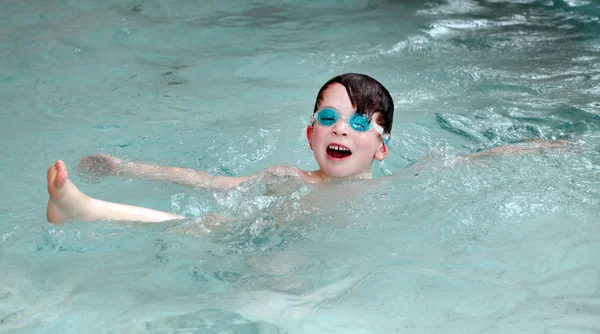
100 164
66 201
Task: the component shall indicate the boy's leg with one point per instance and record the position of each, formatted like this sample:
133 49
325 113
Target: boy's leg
67 202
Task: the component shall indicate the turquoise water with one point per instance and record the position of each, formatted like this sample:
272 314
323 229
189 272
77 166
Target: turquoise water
499 245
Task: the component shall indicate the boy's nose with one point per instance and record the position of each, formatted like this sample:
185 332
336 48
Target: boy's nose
340 128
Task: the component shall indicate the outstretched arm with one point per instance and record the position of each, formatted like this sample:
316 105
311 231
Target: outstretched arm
528 146
101 164
534 145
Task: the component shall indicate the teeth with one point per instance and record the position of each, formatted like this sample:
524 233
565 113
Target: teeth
338 148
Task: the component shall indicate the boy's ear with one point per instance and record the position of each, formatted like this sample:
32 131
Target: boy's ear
382 152
309 131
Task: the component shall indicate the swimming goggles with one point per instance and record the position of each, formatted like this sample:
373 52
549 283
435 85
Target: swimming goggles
358 122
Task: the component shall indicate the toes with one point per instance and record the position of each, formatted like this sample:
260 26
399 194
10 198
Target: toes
60 165
51 176
61 173
57 175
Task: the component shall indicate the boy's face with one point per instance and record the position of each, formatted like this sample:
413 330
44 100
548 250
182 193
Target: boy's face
340 150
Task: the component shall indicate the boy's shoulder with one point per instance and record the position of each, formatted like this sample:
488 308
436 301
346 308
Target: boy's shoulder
286 170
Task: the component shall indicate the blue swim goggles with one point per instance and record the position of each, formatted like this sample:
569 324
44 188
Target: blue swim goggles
358 122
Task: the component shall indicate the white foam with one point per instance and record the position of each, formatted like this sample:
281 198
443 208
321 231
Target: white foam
413 43
453 7
583 58
445 28
577 3
512 1
440 31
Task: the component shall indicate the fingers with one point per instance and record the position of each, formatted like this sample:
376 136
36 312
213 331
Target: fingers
98 164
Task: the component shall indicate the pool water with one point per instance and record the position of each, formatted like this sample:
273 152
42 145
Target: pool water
433 244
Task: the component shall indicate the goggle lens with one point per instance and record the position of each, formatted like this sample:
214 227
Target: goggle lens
359 122
329 116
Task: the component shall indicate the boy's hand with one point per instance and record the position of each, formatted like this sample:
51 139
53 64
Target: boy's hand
100 164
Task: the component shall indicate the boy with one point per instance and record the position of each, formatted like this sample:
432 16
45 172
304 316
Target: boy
352 123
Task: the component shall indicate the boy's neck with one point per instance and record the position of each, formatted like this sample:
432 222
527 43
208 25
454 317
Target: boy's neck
318 176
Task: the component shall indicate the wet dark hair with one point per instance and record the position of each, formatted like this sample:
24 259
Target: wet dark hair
367 95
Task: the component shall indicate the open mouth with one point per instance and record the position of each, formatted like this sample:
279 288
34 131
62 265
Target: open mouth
338 152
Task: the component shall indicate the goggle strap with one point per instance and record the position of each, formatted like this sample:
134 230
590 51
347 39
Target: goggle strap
384 136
